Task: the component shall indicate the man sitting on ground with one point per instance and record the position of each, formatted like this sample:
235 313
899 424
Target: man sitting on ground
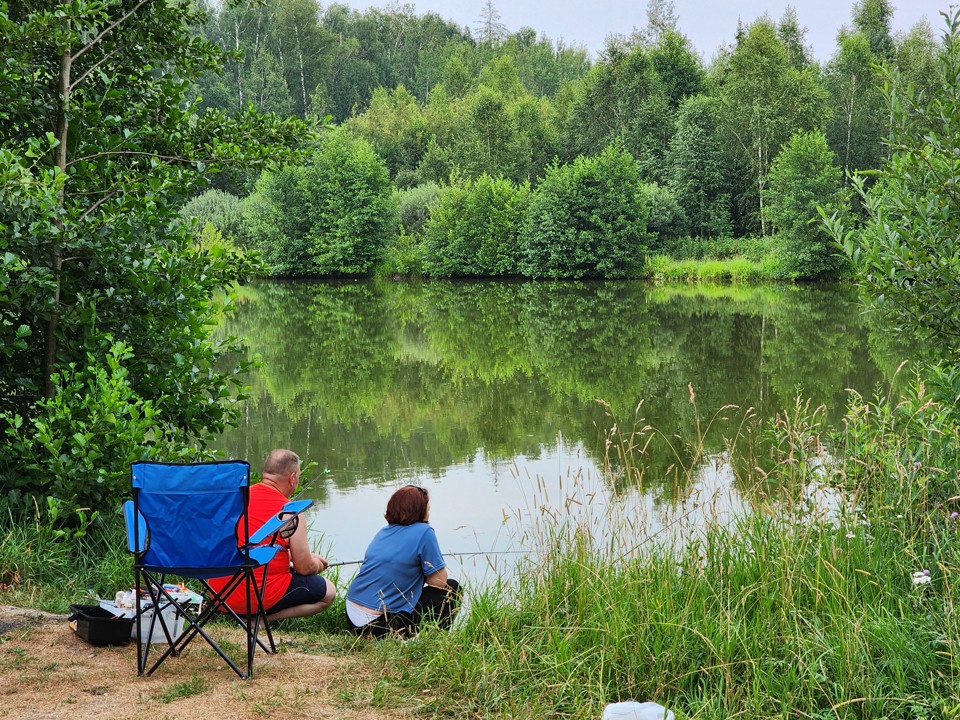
293 587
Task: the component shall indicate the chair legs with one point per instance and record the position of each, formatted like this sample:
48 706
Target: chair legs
152 585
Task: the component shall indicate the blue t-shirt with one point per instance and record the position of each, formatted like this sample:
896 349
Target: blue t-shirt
394 567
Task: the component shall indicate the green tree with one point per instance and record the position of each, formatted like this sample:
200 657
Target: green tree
678 67
299 44
264 85
916 58
535 142
486 132
358 62
764 100
696 170
542 65
98 147
794 39
856 129
804 182
331 216
661 19
587 220
872 18
474 229
220 209
396 128
621 98
906 253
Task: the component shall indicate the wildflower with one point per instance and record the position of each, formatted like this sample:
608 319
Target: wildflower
954 515
851 535
921 577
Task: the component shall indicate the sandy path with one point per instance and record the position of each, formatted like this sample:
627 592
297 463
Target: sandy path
48 672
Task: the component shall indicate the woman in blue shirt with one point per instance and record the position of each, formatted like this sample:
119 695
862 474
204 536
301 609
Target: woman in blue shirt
403 579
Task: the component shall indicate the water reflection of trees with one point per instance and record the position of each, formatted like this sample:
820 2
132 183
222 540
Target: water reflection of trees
382 381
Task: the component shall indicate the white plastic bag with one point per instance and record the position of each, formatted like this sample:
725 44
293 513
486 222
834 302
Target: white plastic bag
631 710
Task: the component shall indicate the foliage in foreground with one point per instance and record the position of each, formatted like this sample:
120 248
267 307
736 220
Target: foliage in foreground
907 252
787 612
105 302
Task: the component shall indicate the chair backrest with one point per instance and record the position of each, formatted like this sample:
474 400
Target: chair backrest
190 513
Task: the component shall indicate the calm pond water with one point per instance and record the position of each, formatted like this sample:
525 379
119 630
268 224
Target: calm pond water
488 394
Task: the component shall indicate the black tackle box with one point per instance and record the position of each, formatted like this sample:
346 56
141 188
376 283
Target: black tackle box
99 627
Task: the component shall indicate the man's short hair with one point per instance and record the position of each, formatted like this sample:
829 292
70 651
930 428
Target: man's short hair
281 462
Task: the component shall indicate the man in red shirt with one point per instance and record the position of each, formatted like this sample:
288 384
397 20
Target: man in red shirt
293 587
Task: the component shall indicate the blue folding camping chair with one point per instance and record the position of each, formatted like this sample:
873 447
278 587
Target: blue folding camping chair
190 521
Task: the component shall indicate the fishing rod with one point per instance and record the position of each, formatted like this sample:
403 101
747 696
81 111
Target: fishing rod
451 554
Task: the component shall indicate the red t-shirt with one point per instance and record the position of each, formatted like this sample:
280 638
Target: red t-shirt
265 502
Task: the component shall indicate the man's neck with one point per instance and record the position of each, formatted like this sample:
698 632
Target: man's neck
278 485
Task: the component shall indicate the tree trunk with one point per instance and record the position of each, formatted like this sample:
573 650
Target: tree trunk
303 79
760 184
236 46
853 92
56 259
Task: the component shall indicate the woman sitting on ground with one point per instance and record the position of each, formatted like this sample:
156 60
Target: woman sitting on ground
403 579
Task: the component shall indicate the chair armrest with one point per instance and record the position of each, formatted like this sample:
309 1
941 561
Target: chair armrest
296 506
290 513
263 554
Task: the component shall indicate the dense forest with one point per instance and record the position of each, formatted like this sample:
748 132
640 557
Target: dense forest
506 156
451 152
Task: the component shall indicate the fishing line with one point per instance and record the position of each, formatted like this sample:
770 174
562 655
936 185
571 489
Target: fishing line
451 554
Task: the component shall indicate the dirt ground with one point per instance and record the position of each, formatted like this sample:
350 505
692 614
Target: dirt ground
48 672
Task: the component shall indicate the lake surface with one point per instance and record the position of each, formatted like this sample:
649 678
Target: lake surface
489 394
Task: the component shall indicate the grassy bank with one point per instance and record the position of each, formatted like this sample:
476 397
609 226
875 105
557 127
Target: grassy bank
786 613
735 270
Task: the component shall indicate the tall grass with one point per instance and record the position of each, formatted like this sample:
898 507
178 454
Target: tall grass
791 610
734 270
49 569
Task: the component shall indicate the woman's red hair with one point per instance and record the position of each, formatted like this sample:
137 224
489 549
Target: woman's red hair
407 506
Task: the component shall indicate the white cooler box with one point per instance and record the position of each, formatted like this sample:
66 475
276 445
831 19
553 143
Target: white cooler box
172 613
172 617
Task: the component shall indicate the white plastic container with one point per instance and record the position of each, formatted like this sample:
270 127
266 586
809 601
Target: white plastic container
631 710
172 617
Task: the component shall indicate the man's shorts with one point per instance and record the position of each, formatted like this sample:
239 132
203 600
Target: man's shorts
303 590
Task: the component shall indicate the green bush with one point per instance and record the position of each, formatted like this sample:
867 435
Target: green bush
220 209
805 181
474 229
75 453
330 217
413 206
587 220
402 257
667 219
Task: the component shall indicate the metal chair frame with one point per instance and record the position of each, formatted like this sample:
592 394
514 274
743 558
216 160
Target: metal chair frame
250 557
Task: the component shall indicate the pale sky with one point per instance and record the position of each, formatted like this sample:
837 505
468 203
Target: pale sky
708 23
